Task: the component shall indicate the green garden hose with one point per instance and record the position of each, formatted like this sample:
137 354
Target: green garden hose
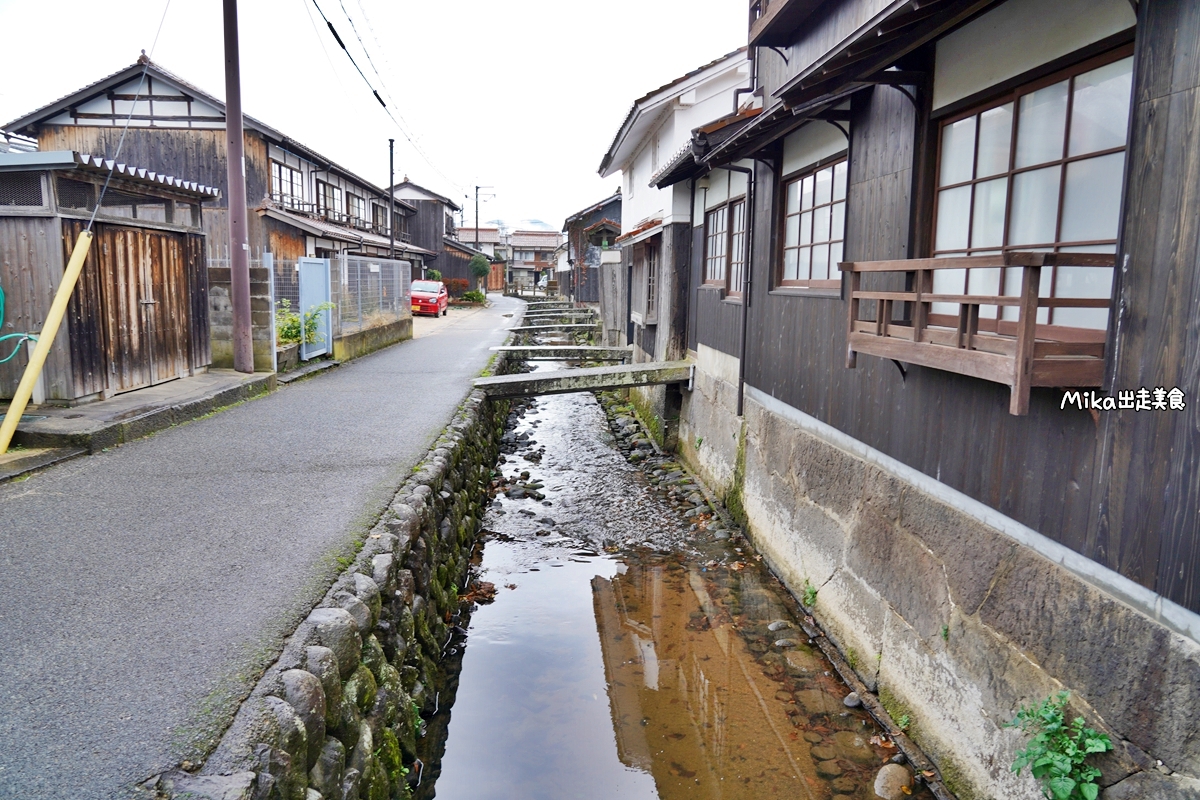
20 337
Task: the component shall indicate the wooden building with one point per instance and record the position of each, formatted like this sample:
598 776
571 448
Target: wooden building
588 232
494 244
938 273
433 228
533 257
303 203
139 314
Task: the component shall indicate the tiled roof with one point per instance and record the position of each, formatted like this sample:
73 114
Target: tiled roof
536 239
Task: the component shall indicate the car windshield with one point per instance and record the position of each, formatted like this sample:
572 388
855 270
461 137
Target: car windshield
433 287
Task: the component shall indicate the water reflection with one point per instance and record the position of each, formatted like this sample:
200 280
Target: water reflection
672 670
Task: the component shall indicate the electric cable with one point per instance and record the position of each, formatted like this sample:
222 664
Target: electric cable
374 92
129 117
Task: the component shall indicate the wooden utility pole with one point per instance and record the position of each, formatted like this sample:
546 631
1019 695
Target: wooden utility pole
239 242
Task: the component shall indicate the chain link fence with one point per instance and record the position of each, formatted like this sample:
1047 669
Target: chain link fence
370 292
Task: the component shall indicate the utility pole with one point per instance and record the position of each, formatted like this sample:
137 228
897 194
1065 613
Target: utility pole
476 217
392 199
239 242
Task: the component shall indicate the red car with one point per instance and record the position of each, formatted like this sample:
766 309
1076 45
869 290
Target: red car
430 297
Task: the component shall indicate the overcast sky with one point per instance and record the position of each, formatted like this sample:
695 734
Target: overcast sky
521 95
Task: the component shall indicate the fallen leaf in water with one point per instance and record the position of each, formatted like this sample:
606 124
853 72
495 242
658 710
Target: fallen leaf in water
906 790
737 566
482 592
510 586
928 773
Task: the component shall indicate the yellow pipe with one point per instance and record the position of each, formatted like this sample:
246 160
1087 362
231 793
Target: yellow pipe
58 310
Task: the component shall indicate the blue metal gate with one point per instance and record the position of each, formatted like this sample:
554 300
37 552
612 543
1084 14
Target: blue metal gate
315 290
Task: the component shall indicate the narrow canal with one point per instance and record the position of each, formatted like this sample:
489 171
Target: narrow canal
635 648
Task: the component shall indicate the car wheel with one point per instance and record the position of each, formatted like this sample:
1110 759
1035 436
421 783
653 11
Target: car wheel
445 311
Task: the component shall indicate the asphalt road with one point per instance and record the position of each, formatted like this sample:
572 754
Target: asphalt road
143 589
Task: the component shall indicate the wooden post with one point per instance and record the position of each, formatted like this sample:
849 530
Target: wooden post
920 312
855 286
1018 403
235 156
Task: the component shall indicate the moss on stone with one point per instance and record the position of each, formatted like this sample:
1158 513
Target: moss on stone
361 688
734 502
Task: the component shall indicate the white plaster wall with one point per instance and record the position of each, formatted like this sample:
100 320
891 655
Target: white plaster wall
708 424
1018 36
810 144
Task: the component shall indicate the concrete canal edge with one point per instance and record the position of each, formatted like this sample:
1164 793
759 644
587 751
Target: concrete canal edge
950 613
337 715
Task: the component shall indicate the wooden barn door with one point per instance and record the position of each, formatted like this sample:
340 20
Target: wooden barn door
145 304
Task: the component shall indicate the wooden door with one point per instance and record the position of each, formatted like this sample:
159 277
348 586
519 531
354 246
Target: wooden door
122 292
145 304
165 305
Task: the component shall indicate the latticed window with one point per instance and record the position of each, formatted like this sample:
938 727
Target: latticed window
737 246
329 199
287 185
651 283
716 242
356 207
814 227
1038 169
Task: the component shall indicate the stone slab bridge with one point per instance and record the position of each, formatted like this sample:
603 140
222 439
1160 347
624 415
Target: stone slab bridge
590 379
566 353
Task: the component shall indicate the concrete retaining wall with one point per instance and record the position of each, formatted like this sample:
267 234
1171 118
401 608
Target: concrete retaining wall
353 345
951 620
336 717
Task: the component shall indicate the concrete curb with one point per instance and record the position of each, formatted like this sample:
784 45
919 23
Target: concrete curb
122 431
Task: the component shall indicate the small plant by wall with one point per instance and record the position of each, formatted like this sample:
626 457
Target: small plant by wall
289 324
1057 750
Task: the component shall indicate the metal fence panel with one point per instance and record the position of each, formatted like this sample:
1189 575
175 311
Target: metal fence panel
371 292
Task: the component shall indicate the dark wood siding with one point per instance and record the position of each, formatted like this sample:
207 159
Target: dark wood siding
31 266
1147 524
200 340
1036 469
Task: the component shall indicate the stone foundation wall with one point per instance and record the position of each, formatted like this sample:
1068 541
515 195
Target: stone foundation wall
709 428
950 620
337 717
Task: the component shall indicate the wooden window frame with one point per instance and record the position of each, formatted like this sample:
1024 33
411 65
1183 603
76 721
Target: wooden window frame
733 257
296 176
1013 96
322 202
356 215
721 211
650 254
832 283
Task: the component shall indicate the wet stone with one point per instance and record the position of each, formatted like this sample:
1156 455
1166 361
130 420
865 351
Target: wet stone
852 700
813 737
829 769
824 753
843 785
779 625
893 782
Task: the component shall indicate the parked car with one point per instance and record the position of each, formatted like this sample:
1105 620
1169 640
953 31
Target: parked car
430 297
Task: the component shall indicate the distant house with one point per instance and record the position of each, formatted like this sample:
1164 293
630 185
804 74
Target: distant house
532 256
139 313
303 203
433 228
588 233
493 243
656 234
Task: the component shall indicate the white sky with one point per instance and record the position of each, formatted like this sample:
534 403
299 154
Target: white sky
521 95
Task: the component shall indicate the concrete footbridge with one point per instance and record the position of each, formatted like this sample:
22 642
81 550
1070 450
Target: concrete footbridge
589 379
567 353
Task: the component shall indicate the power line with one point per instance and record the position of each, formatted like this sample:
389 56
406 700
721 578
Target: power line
132 108
342 45
405 133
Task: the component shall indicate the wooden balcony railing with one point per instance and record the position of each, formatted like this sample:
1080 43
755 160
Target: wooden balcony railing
1018 353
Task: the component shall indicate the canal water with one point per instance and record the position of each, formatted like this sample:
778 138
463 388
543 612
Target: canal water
634 648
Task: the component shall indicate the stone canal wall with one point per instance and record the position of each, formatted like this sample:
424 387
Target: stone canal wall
953 614
337 717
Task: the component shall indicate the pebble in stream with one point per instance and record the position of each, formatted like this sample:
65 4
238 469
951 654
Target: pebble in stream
711 688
